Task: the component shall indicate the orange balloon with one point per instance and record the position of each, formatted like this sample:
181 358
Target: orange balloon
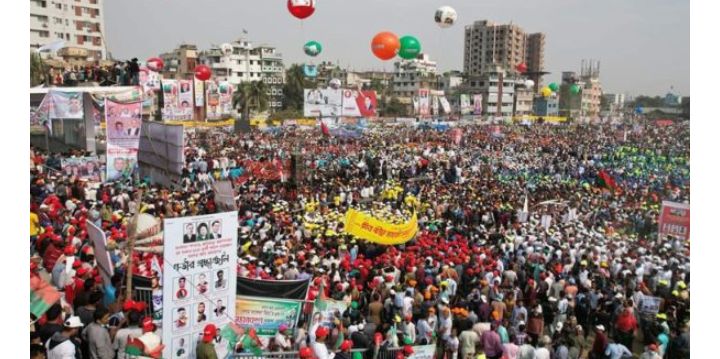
385 45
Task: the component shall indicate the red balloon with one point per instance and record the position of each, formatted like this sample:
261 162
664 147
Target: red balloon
202 72
385 45
521 67
301 9
155 63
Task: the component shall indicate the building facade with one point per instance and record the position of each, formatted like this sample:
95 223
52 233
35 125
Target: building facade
587 102
488 45
546 106
409 76
77 23
524 99
180 63
240 61
497 88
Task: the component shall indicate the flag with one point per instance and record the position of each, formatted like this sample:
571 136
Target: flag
42 296
324 128
52 47
250 344
606 180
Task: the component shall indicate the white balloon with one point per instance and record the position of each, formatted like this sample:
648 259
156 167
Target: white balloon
445 16
529 83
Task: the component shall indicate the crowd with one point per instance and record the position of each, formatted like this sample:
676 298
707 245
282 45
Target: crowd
121 74
582 274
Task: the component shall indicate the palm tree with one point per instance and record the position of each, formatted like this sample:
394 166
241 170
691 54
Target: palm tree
251 96
37 69
294 88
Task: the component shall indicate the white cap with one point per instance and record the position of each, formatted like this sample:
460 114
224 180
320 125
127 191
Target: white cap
73 322
600 327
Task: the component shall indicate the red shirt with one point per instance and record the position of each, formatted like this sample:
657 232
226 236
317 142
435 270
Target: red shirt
626 322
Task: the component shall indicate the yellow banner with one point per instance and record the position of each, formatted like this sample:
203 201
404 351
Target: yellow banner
364 226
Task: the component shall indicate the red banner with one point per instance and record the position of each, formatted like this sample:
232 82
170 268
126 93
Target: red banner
674 220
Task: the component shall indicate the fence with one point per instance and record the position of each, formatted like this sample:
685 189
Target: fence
390 353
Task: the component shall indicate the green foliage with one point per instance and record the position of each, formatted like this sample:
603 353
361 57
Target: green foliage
37 69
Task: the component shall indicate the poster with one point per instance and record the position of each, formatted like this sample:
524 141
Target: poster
88 168
123 122
477 105
322 102
358 103
102 257
435 105
184 109
65 105
465 104
266 314
326 310
199 92
200 255
674 220
445 105
424 102
170 89
219 100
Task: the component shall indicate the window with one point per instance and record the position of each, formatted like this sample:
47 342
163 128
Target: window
57 20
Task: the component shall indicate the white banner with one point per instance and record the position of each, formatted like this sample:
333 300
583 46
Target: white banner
424 100
199 279
423 352
435 105
323 102
465 104
102 256
445 105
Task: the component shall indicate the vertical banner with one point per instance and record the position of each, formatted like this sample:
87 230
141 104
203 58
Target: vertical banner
424 101
199 87
465 104
185 101
674 220
435 105
416 105
150 83
325 310
200 256
123 122
99 240
212 96
445 105
226 93
477 103
170 99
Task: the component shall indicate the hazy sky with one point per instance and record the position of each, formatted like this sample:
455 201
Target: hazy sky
643 45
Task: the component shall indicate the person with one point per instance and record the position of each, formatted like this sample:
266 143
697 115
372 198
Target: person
202 232
118 130
97 337
37 351
182 318
345 348
61 345
469 339
133 70
625 326
600 343
216 229
221 281
492 346
651 352
219 309
181 293
282 341
189 235
123 335
452 346
617 351
543 349
53 323
202 284
318 346
201 316
206 348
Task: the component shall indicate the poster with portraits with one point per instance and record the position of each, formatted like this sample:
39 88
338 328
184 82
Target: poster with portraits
150 85
465 104
123 122
66 105
358 103
170 92
435 105
445 105
185 100
477 105
199 87
87 168
424 102
199 281
219 100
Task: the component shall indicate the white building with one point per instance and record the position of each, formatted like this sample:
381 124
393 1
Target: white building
243 62
411 75
79 23
497 88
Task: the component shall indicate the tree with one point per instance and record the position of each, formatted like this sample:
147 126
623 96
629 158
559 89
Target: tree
251 96
294 88
394 108
37 69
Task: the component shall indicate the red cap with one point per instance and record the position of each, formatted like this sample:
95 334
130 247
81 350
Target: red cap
322 332
209 333
33 266
69 250
148 325
653 347
305 352
346 345
82 271
408 350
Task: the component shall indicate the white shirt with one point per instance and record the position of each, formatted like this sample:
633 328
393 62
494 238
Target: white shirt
542 353
321 351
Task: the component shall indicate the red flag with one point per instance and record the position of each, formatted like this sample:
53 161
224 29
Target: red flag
324 128
607 180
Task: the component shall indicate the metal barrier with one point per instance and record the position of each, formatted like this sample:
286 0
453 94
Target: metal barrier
367 354
141 294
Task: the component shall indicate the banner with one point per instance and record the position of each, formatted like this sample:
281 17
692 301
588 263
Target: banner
423 352
374 230
477 103
416 104
649 306
102 257
123 122
224 196
465 104
266 315
185 101
88 168
359 103
322 102
424 102
170 97
283 289
219 100
199 87
65 105
177 100
200 254
445 105
674 220
435 105
150 84
326 310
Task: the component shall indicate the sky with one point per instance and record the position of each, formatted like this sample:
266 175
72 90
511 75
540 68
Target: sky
643 45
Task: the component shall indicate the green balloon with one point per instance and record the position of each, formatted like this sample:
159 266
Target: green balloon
575 89
409 47
553 86
312 48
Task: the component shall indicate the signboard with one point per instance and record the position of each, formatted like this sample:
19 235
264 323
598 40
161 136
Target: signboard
66 105
123 122
88 168
445 105
266 315
424 102
200 255
674 220
323 102
435 105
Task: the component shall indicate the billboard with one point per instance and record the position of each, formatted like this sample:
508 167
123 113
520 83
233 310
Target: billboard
200 254
88 168
219 100
674 220
358 103
323 102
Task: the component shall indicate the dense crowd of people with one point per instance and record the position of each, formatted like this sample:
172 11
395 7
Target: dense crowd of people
125 73
581 274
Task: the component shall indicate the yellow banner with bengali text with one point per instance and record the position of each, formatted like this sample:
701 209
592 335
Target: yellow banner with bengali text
371 229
